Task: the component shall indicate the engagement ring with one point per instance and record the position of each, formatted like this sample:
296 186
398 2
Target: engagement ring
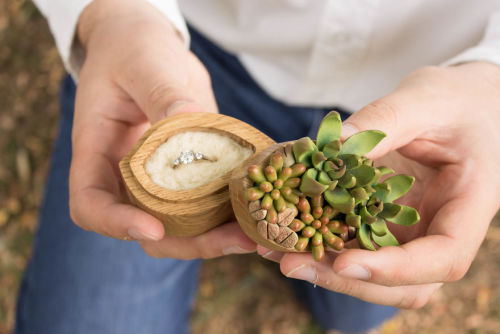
188 157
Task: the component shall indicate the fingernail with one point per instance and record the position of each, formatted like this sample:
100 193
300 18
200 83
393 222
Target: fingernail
348 130
273 256
303 272
235 250
136 234
356 271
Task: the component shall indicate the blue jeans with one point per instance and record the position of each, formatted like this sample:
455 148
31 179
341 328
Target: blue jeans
79 282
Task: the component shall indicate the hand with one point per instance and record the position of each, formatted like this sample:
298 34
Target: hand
444 125
136 72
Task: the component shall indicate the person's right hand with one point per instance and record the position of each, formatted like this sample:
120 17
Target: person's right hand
136 72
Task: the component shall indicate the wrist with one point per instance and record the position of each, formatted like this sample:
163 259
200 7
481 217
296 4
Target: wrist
113 13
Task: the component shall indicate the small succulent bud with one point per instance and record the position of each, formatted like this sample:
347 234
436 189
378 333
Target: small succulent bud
302 244
270 173
318 253
277 160
278 184
323 229
266 187
266 202
293 182
317 201
329 212
298 169
275 194
253 194
306 218
255 174
279 204
316 224
285 173
272 215
308 231
317 239
317 212
324 220
287 193
296 225
337 227
303 205
333 241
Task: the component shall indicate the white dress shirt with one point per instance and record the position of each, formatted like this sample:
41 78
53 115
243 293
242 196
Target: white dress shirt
321 52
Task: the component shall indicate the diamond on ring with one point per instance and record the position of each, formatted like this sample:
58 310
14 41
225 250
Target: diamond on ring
187 157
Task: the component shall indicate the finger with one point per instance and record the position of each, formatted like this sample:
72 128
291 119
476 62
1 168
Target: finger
399 115
167 79
270 255
444 255
302 266
95 203
222 240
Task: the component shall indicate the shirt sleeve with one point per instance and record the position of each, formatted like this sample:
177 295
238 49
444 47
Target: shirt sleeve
488 49
63 16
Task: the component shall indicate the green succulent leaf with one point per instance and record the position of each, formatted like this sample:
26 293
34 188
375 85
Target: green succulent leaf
379 227
318 159
384 170
382 191
340 199
363 237
408 216
325 179
303 149
332 149
362 142
329 129
390 210
400 184
353 220
309 186
359 194
366 216
388 239
364 175
347 181
351 161
337 174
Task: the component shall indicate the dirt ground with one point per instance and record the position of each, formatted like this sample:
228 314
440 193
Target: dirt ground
30 71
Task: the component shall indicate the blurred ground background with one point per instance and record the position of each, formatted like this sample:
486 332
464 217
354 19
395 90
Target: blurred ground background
30 71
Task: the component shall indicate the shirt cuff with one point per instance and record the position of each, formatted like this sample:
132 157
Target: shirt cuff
488 49
63 16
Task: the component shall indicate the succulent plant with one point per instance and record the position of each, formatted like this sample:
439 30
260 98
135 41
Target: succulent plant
329 193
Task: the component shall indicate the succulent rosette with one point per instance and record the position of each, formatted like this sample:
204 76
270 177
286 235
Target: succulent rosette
321 194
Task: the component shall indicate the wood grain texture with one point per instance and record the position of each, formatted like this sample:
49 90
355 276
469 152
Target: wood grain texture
193 211
238 184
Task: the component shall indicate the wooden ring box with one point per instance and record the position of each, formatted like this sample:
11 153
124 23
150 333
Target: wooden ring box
193 211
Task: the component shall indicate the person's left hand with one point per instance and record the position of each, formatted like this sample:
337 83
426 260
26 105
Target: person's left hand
442 126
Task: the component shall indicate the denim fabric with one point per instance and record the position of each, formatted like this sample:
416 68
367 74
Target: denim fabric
80 282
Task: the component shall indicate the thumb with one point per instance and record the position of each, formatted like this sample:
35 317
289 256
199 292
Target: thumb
163 83
392 115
